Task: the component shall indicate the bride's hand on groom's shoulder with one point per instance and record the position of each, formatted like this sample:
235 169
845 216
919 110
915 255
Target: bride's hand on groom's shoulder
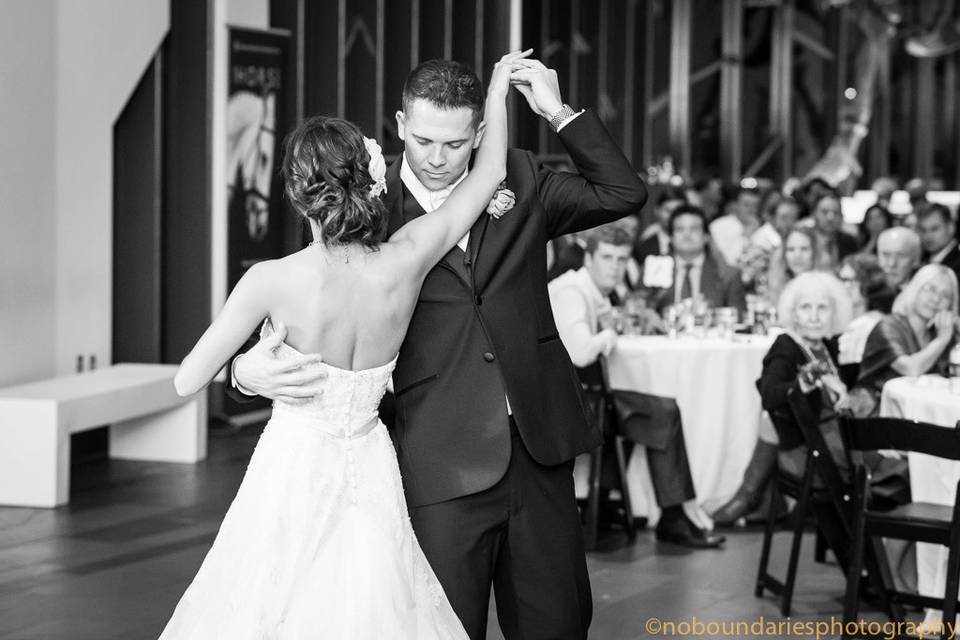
539 85
260 372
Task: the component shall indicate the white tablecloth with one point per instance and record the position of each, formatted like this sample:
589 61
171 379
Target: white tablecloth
714 384
932 479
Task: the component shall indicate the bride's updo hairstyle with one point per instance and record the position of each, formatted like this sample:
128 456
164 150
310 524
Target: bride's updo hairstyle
326 178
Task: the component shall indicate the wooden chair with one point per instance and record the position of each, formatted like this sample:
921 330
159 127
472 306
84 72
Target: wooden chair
916 521
595 383
806 493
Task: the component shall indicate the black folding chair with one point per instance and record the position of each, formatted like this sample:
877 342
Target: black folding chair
916 521
807 494
595 383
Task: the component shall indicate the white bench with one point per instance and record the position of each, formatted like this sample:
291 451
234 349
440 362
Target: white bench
148 421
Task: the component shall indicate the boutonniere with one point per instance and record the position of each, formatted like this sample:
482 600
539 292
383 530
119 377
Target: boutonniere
501 202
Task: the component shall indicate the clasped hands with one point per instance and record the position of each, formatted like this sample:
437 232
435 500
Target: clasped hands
818 375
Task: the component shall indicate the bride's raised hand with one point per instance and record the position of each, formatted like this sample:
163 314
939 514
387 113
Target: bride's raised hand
500 79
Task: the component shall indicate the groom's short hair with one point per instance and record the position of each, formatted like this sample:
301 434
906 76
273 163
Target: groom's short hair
447 85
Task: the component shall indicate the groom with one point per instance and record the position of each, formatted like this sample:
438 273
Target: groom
488 412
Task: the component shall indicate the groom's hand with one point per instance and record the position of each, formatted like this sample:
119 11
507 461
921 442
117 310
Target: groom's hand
539 85
259 372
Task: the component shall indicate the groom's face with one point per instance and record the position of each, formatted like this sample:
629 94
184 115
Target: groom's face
437 142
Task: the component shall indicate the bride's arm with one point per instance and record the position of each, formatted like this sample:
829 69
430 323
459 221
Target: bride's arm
429 237
243 311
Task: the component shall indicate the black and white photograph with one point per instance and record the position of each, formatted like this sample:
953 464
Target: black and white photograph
479 319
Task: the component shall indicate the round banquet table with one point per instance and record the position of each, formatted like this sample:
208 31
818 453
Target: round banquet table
714 384
927 399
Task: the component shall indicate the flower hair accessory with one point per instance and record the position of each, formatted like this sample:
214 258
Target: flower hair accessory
377 167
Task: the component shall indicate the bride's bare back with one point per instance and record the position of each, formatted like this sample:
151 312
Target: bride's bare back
354 312
352 305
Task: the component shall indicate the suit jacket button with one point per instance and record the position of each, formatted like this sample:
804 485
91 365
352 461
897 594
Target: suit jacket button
478 300
488 357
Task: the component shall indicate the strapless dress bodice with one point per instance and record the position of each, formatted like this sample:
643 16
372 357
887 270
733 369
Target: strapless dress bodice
348 406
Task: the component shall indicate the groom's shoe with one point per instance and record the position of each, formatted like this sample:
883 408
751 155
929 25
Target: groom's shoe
678 529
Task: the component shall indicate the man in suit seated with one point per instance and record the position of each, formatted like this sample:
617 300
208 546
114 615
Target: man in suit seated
696 272
579 300
654 240
938 237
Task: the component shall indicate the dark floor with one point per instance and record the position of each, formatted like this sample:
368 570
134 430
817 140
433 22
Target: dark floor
113 564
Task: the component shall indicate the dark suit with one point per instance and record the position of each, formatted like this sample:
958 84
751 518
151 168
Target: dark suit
846 245
491 496
952 260
648 247
720 285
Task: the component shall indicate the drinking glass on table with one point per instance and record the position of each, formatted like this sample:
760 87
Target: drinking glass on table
701 317
725 319
673 319
612 320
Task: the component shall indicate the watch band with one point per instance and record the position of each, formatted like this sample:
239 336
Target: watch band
566 111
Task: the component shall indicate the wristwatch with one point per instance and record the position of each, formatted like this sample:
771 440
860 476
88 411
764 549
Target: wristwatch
566 111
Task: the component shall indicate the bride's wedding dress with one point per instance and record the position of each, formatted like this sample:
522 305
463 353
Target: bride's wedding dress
317 542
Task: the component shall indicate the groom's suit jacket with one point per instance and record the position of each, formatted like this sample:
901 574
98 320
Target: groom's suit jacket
483 331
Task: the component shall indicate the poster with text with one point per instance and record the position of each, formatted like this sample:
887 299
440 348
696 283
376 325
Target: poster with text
255 126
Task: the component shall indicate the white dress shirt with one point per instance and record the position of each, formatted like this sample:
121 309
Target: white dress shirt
577 306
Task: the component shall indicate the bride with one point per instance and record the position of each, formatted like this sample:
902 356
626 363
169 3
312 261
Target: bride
317 542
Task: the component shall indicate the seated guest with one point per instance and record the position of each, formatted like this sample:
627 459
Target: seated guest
872 298
834 245
655 240
730 232
799 254
782 216
938 236
579 300
708 194
696 272
898 252
876 220
814 307
884 187
781 213
913 340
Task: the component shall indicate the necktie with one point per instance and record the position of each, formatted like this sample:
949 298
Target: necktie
686 289
614 298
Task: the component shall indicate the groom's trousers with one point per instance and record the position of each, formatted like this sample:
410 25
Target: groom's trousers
523 536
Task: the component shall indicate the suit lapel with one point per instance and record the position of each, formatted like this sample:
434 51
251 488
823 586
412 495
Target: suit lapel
394 200
477 234
406 208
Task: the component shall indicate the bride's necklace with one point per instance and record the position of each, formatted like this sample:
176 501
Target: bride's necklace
343 254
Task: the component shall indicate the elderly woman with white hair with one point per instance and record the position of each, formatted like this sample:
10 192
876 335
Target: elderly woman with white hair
914 339
814 308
